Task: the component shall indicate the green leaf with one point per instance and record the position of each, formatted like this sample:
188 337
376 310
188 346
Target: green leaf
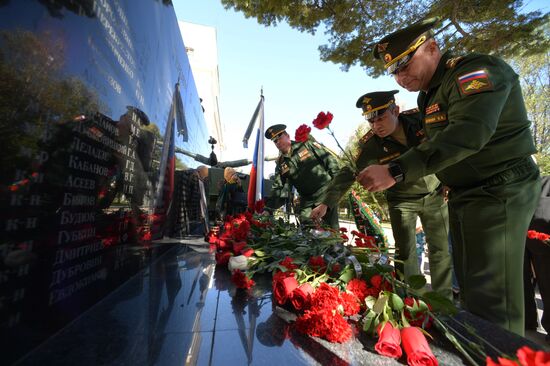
417 281
347 274
369 320
380 304
370 301
396 303
259 253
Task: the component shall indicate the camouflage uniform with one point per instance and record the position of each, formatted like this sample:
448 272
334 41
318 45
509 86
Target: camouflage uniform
309 167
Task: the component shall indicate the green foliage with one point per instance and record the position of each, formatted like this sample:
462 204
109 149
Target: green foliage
352 26
534 73
544 163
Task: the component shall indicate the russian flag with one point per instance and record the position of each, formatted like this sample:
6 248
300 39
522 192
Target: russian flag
255 184
479 74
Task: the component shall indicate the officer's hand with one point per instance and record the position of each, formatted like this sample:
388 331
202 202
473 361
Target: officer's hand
375 178
318 212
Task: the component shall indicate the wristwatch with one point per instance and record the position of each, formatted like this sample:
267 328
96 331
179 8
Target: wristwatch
396 172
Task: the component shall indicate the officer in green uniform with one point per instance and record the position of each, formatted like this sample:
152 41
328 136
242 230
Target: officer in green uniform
391 135
479 143
308 167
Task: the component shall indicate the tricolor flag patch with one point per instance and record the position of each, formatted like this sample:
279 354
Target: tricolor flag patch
474 82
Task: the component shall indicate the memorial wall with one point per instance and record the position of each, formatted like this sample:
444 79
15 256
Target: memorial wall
94 98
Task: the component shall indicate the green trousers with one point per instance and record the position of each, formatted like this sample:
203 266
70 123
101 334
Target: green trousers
488 229
433 214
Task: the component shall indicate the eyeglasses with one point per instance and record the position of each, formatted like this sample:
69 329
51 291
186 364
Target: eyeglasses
378 117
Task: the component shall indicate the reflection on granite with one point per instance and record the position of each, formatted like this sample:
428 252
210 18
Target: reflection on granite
184 310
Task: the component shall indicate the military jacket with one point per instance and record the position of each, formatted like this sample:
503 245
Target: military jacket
309 167
475 120
373 149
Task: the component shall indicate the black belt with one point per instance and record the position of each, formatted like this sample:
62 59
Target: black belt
523 166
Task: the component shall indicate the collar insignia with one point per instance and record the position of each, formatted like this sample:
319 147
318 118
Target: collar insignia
367 136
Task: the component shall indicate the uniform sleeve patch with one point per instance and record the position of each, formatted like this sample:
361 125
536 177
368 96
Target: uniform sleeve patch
474 82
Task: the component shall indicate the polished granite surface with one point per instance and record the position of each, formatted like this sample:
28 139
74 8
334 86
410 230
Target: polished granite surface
183 310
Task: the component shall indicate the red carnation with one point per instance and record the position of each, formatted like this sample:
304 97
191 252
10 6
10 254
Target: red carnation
288 263
324 323
358 287
326 297
238 247
376 281
350 303
323 120
241 280
302 133
317 263
259 206
501 362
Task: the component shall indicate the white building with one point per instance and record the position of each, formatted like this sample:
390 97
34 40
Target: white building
202 50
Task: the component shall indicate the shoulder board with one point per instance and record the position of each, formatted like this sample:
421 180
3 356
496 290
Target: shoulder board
367 136
317 145
411 111
452 62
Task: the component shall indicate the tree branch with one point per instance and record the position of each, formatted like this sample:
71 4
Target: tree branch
456 23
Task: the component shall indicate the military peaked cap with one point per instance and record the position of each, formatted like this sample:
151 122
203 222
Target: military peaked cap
376 103
397 48
274 131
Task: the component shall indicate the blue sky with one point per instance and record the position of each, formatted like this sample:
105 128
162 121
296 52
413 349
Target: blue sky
285 62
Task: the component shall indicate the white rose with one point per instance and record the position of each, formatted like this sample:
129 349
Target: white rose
238 262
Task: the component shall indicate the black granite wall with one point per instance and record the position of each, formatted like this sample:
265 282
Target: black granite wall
94 96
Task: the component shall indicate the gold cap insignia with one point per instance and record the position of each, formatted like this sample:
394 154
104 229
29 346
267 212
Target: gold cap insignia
387 57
